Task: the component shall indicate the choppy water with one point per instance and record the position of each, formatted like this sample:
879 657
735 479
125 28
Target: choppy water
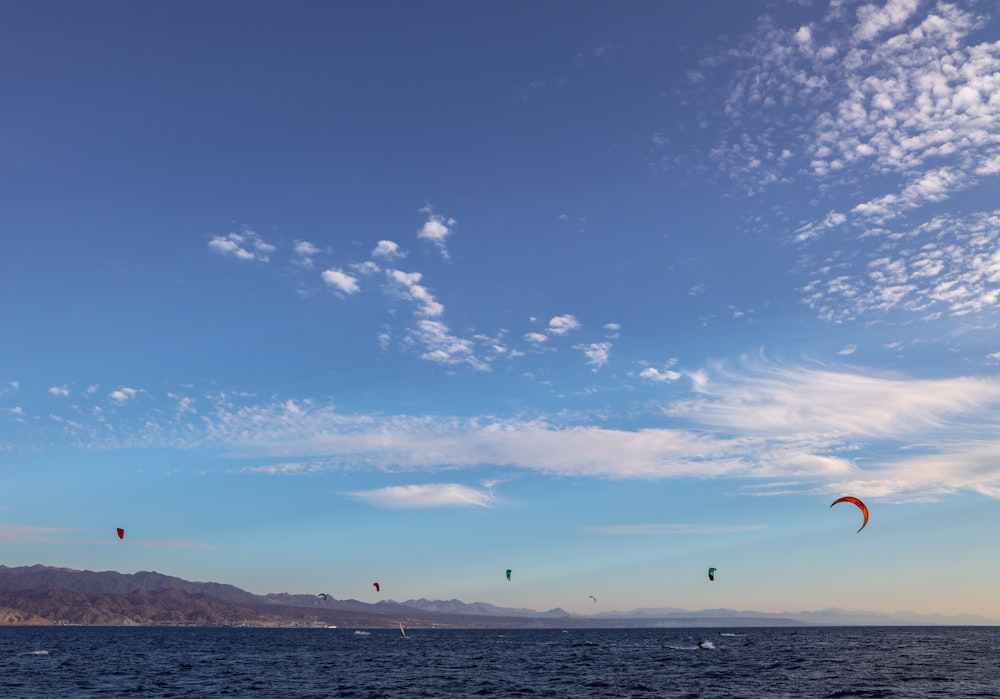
312 663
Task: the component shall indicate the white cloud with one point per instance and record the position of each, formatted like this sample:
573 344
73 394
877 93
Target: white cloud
185 404
407 285
990 166
597 353
776 400
536 338
946 265
440 346
124 395
560 325
59 390
430 495
285 468
907 116
873 20
929 187
305 251
653 374
388 250
245 245
826 428
340 280
436 229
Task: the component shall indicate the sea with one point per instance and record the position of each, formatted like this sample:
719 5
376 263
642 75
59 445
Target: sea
814 662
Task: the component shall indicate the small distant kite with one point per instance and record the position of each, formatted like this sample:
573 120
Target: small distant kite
323 596
855 501
378 588
593 598
508 575
711 573
121 533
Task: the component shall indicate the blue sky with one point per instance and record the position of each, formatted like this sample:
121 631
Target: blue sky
308 295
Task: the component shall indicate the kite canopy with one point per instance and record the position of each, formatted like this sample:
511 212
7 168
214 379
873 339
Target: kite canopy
711 573
593 598
508 574
855 501
121 533
323 595
378 588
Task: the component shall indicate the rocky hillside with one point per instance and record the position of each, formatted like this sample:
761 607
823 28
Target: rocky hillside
47 595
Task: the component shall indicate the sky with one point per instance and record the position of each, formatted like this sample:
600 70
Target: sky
310 295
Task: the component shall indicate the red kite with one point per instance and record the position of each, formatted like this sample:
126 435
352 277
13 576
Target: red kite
855 501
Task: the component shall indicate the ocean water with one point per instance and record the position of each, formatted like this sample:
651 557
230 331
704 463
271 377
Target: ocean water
814 662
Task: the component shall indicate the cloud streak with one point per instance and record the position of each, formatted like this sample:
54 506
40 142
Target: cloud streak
423 496
824 427
662 529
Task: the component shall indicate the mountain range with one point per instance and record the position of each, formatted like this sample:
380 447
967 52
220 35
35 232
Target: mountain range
44 595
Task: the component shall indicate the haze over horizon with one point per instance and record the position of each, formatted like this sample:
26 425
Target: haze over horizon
308 296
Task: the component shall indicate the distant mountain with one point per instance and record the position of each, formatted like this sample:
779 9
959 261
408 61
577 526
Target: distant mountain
455 606
39 577
46 595
841 617
825 617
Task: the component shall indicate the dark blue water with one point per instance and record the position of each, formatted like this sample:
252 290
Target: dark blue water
811 662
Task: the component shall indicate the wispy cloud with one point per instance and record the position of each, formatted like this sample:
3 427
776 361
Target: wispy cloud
23 533
305 252
597 353
17 533
428 495
438 344
436 229
123 395
666 373
661 529
826 427
245 245
286 468
775 399
407 285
